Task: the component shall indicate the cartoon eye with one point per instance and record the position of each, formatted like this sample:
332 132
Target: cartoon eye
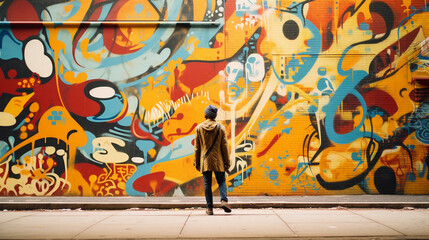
102 92
290 30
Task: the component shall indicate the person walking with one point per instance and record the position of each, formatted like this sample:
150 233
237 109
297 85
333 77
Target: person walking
211 155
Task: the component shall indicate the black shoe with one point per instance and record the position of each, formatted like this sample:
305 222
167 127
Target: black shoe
209 211
225 206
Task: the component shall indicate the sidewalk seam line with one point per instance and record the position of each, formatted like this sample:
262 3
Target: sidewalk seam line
287 225
13 219
74 237
184 224
403 234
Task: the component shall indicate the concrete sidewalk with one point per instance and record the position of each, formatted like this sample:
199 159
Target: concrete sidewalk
120 203
272 223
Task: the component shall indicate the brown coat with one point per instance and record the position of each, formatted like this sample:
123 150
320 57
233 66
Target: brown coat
218 158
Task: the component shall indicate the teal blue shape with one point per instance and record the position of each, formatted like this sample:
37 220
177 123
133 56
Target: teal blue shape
125 122
286 130
274 174
411 177
145 146
312 109
288 115
324 83
4 148
322 71
357 156
138 8
10 47
364 26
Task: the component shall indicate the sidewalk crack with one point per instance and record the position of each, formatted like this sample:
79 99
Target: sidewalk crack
184 224
90 226
378 222
287 225
18 217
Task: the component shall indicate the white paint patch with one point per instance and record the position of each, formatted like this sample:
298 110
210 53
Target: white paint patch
61 152
137 159
255 67
50 150
102 92
7 119
36 60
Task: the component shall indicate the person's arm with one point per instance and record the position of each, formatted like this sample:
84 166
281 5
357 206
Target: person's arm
224 149
197 149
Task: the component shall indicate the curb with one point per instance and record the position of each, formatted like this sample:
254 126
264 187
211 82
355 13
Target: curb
172 205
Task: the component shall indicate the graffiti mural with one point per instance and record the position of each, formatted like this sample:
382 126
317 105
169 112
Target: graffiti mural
101 98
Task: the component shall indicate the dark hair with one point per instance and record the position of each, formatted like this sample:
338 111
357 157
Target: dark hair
207 117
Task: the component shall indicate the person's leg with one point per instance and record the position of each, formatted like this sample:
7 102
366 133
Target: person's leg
220 178
208 188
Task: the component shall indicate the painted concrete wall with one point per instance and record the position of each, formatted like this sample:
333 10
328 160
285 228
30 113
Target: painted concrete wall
101 98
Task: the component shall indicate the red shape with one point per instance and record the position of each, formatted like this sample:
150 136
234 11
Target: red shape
12 73
153 183
400 46
75 96
274 140
149 183
240 126
342 126
88 169
230 7
141 134
111 33
282 100
377 24
179 131
22 10
199 73
421 80
373 98
380 98
420 94
176 92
